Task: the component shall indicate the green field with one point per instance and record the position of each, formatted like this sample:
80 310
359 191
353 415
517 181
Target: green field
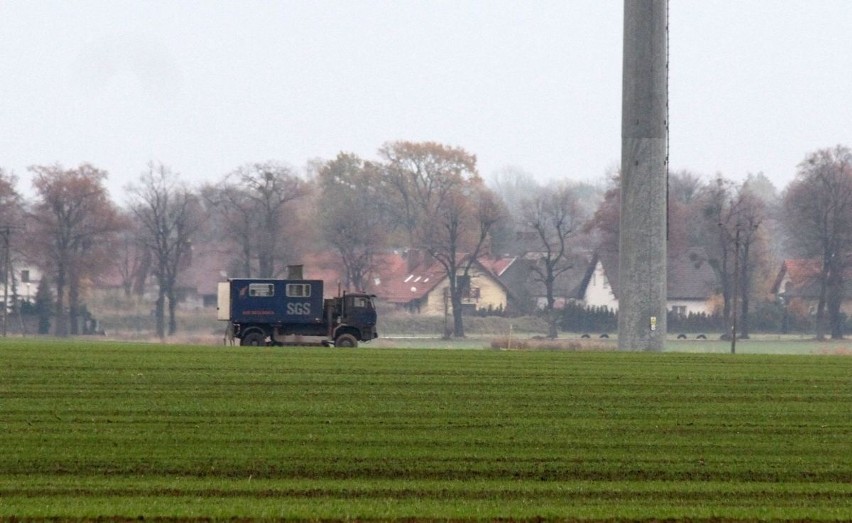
110 430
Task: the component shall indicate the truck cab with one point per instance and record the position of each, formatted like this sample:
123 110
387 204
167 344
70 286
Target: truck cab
354 319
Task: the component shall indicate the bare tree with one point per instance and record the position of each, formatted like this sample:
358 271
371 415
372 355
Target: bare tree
168 215
237 221
132 259
11 237
818 216
75 219
253 202
719 220
513 186
555 215
751 213
733 241
11 204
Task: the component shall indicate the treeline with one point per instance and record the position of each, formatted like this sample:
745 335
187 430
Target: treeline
431 196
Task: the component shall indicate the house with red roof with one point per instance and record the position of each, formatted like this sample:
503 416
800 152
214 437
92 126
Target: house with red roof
414 281
798 283
798 278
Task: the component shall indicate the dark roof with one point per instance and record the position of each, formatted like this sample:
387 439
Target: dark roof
572 282
690 276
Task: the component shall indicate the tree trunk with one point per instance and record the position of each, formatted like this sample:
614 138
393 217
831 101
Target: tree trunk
725 281
43 306
172 311
458 322
61 317
834 299
820 314
159 313
265 265
551 313
552 317
745 284
727 323
74 306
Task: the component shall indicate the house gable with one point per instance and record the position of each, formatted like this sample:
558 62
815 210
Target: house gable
690 283
598 291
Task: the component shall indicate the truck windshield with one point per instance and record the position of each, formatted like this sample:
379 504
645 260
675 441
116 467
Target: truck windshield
361 302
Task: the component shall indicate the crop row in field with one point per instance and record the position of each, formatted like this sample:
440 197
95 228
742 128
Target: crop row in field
127 430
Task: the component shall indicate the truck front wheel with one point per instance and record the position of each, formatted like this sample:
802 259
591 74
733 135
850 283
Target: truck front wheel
254 339
346 340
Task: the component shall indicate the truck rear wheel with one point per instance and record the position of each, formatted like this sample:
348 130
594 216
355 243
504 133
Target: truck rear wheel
254 339
346 340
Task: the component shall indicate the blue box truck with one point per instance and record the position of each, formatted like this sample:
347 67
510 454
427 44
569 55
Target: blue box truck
263 311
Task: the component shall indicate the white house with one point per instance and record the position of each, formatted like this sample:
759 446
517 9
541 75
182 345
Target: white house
691 284
23 282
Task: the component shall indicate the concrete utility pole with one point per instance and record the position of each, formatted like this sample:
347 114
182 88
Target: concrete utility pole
644 177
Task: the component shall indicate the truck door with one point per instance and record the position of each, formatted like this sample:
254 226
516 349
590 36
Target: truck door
360 311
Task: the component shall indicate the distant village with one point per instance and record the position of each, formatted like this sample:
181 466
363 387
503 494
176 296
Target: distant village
428 236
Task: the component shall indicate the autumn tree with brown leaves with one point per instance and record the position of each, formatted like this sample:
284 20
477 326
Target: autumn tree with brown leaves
446 209
74 221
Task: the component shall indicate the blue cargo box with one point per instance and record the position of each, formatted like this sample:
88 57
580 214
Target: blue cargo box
276 301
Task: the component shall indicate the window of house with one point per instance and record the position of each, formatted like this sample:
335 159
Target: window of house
463 284
25 276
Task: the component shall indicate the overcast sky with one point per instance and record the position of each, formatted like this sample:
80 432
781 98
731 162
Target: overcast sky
206 86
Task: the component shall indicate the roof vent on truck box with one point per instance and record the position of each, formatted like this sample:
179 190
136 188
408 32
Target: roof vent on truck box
294 272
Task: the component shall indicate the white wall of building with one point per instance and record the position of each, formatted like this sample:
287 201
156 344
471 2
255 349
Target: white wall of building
599 291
